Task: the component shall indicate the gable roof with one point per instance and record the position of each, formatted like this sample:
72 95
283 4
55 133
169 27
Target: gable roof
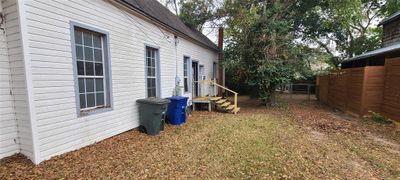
158 12
391 18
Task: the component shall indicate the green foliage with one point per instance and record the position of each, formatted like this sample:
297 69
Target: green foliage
378 118
260 46
391 7
195 13
347 24
368 42
269 43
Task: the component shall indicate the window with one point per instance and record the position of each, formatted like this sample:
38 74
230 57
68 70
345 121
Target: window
152 71
92 69
214 70
186 73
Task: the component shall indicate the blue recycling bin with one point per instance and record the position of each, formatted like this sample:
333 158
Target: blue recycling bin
176 113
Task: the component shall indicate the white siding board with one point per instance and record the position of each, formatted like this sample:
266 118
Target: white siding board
59 128
17 74
9 144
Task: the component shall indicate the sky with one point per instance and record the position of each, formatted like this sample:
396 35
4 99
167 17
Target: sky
210 32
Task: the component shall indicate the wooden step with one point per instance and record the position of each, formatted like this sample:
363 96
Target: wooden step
236 110
221 101
226 104
216 98
230 107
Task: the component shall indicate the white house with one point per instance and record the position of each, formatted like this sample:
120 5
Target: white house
72 70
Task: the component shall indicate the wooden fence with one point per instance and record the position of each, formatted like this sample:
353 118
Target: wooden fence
391 98
355 90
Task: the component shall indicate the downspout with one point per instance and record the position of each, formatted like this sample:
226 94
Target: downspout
221 69
177 91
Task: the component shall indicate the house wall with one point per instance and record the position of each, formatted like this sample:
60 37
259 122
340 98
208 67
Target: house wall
18 135
391 33
8 125
204 57
48 26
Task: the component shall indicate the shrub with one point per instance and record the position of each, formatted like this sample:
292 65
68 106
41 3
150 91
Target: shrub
378 118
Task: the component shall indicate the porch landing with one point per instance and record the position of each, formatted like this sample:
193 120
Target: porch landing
201 100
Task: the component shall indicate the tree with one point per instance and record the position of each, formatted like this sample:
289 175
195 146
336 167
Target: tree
172 4
271 42
344 29
391 7
260 44
195 13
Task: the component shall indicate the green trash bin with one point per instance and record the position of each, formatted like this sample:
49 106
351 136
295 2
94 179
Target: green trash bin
152 115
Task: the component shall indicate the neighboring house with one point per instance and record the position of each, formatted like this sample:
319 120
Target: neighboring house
71 71
390 46
370 81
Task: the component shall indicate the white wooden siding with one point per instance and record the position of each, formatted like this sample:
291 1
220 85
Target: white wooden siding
9 144
20 127
59 128
204 57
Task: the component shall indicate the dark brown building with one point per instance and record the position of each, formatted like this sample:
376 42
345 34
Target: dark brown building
391 30
390 46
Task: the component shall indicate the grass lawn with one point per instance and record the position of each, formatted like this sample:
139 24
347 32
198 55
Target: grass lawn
297 139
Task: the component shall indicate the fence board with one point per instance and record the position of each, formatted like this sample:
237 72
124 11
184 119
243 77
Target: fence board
391 103
355 85
373 92
355 90
323 85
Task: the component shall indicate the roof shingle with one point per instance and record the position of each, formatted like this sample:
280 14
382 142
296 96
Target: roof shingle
156 10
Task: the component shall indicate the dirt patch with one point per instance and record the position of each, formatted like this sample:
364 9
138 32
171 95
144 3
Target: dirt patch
387 144
318 136
383 141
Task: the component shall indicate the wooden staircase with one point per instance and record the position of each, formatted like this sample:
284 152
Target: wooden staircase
221 103
224 105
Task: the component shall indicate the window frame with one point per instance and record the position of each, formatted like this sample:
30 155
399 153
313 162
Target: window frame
157 69
186 58
106 61
215 70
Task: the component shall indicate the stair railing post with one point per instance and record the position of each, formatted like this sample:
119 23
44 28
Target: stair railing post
215 89
236 96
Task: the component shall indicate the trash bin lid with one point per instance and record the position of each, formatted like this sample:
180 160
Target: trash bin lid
177 98
153 100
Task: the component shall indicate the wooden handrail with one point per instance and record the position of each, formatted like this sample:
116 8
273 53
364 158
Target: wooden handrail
212 82
222 87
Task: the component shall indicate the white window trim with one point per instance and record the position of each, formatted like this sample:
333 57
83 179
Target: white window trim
106 71
187 59
158 69
215 70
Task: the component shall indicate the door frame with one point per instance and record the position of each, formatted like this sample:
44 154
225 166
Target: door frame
201 76
195 72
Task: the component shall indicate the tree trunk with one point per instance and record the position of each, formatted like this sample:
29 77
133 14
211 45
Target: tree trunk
283 89
272 99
